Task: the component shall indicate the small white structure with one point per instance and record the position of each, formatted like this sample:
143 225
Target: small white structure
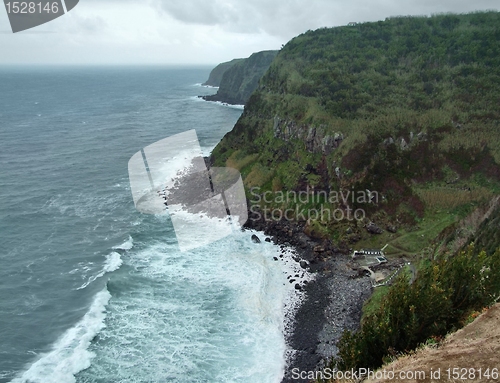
373 252
370 255
381 259
352 24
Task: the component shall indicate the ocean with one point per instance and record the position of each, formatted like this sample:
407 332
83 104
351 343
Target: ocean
92 290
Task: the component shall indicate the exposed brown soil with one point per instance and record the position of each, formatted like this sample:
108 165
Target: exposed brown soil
476 346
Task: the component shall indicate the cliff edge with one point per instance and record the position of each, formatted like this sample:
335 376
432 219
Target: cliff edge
240 78
216 74
464 356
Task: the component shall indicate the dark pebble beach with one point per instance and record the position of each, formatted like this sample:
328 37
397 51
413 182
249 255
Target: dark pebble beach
333 299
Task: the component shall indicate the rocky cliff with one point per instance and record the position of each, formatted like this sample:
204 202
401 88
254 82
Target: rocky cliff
216 74
241 78
407 107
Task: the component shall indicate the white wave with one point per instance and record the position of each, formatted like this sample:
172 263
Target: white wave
225 104
195 230
70 355
113 263
127 245
205 86
233 106
224 304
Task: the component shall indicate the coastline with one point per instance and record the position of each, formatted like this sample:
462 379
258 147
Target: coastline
222 101
333 299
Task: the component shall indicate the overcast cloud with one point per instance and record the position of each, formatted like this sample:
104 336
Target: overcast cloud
194 31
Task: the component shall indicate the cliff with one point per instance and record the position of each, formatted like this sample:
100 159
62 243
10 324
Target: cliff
407 107
241 78
216 74
401 116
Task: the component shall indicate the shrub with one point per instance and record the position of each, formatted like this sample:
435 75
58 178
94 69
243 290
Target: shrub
444 293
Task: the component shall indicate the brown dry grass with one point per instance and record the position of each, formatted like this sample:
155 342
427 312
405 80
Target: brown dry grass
450 198
476 346
258 176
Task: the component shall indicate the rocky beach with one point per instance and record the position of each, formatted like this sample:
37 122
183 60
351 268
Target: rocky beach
333 299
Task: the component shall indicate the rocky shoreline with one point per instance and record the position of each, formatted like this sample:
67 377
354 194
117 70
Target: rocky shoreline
223 99
333 300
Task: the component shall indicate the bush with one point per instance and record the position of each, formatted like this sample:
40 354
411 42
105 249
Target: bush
438 301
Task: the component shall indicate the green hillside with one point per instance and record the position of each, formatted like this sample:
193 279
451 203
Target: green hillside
241 78
407 107
215 77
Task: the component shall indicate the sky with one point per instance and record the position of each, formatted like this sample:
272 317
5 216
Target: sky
180 32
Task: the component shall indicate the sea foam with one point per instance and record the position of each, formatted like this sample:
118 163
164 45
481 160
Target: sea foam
214 314
127 245
70 354
112 263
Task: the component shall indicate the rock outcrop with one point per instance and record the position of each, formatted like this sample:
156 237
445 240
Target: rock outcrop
240 80
216 74
316 139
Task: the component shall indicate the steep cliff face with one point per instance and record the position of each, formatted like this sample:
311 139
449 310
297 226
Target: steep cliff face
216 74
395 106
242 78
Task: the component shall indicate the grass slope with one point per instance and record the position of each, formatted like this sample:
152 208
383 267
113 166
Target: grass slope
407 107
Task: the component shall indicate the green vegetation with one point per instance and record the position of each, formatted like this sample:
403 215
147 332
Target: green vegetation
440 300
407 107
479 226
216 74
242 77
488 233
374 302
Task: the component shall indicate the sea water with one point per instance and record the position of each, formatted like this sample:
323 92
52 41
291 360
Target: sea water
91 290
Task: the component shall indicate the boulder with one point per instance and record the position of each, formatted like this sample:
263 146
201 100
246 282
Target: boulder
422 136
388 141
402 143
392 228
373 229
255 239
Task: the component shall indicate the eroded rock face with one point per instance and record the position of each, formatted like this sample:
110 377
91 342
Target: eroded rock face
403 144
316 139
388 141
239 78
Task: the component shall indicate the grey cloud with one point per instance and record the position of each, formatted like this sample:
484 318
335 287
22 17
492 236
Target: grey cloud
287 19
200 11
